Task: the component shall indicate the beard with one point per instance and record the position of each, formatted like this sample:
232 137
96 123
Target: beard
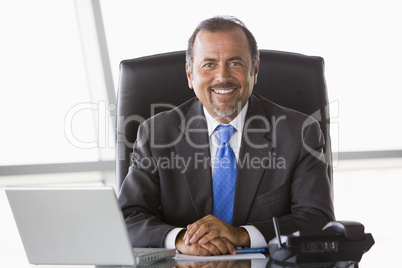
227 113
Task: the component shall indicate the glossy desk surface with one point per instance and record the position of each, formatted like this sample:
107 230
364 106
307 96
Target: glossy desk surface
12 253
168 263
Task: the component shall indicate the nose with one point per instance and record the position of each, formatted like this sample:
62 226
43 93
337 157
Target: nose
223 73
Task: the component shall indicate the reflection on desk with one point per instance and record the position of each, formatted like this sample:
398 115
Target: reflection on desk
226 264
193 258
348 264
250 263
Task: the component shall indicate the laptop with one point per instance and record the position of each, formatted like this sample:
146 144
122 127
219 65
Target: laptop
75 226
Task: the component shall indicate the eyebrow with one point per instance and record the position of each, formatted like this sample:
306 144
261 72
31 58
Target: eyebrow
209 59
235 58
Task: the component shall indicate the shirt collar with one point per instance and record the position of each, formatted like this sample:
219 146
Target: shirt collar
237 123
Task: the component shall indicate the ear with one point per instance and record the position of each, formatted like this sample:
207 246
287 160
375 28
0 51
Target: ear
190 81
255 71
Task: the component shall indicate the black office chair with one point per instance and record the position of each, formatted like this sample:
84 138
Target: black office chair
292 80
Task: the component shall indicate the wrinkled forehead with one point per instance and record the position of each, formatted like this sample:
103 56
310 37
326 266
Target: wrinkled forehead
221 45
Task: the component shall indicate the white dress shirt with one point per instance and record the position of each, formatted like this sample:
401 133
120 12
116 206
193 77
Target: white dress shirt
256 238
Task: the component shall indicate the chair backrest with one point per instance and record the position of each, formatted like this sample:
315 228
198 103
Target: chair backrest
152 84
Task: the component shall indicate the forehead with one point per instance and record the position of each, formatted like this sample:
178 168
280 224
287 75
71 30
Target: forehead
221 44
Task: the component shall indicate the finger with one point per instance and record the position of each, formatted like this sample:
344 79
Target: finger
191 229
212 249
201 227
184 236
197 230
231 247
205 229
224 245
194 249
189 233
237 236
187 236
220 245
201 251
217 228
215 233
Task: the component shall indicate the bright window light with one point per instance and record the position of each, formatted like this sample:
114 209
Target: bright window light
359 41
42 80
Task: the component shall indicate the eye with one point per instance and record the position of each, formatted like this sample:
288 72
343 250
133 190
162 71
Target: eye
209 65
235 64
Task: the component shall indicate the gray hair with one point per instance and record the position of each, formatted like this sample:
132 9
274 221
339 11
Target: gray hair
222 23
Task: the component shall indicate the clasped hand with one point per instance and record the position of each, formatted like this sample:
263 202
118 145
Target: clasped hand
211 236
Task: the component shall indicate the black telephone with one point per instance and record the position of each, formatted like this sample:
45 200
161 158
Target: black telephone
338 241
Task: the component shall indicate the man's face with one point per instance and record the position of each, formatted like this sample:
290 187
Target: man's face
223 76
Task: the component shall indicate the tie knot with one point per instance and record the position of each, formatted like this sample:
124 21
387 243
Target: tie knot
225 132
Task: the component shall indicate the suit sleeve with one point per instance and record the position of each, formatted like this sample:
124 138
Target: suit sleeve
139 197
310 189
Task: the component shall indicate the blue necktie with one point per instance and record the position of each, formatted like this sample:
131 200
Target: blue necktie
224 176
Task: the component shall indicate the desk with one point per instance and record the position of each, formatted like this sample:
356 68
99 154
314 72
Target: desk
12 253
250 263
170 263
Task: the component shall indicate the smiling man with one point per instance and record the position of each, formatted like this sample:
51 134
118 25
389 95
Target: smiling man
229 191
221 72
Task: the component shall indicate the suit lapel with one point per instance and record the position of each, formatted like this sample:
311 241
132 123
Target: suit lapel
194 147
256 146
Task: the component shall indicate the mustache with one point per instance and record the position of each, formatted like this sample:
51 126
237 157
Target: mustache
225 85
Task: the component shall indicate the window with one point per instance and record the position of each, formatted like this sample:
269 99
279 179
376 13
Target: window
43 82
359 41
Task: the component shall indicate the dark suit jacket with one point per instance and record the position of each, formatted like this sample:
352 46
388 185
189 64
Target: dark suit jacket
281 172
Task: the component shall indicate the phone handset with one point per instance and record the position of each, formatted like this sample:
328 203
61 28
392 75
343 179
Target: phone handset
352 230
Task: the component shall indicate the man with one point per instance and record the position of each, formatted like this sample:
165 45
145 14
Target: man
171 196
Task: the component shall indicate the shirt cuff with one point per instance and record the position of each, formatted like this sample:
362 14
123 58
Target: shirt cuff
170 238
257 240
